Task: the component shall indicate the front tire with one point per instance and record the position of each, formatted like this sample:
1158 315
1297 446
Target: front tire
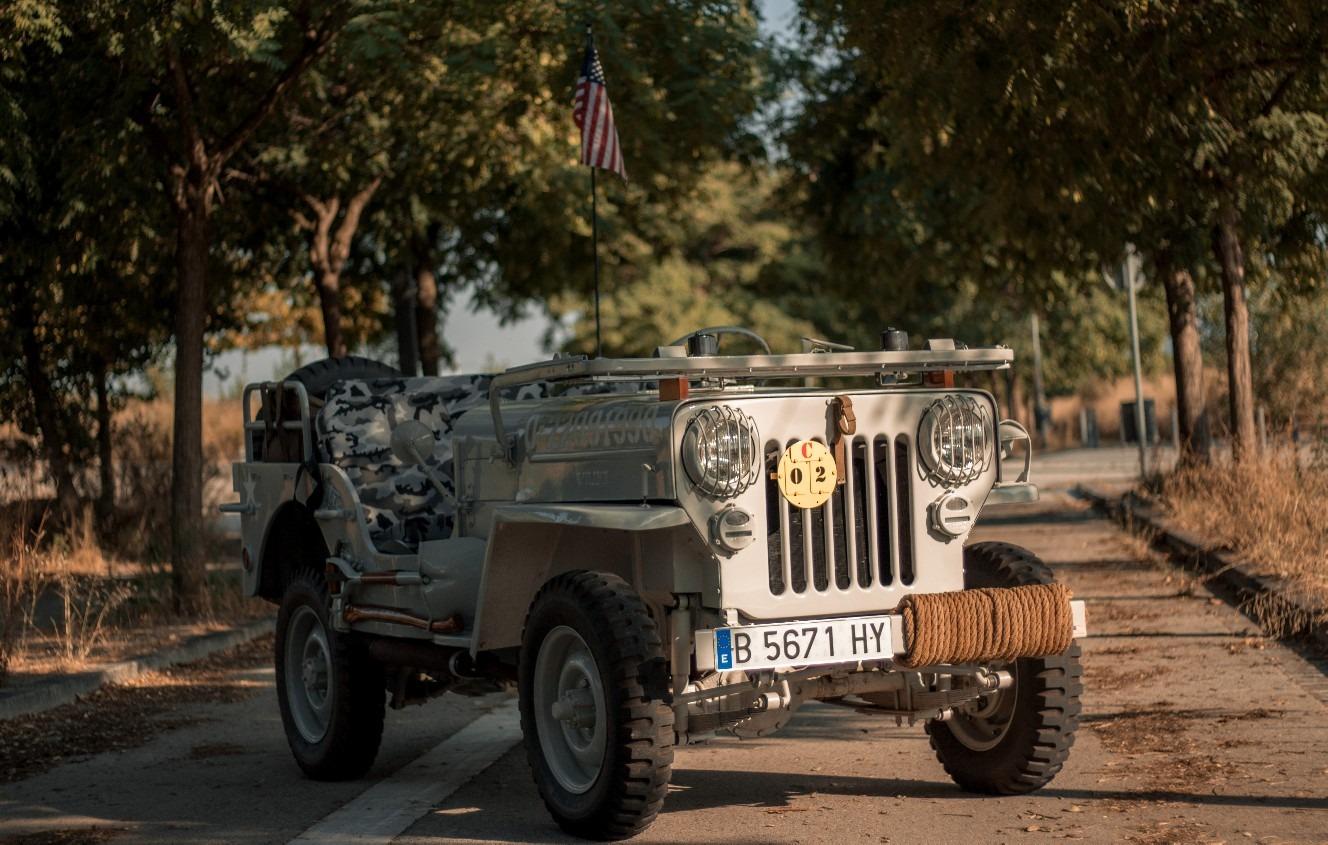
330 691
594 712
1019 738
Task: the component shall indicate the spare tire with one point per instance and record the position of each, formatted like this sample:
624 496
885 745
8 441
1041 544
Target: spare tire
319 376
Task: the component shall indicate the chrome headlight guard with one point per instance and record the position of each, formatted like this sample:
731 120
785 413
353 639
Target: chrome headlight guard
955 440
720 452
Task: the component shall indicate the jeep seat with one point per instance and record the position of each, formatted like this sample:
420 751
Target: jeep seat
354 430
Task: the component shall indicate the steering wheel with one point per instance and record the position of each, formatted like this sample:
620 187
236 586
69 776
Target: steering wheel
738 330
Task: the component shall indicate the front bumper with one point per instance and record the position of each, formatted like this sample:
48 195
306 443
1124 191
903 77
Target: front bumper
711 644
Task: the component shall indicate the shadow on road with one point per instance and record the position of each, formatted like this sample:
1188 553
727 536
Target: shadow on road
695 789
1040 517
1111 564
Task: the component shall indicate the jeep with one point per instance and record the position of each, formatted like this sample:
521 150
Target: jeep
656 551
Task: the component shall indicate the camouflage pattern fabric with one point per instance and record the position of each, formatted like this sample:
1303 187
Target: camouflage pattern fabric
355 432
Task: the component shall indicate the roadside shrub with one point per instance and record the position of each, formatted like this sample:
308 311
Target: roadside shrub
140 529
20 584
1267 510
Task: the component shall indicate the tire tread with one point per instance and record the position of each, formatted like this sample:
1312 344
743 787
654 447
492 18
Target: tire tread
1060 682
645 727
356 731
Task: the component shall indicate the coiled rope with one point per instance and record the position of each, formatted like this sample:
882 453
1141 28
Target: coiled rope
982 625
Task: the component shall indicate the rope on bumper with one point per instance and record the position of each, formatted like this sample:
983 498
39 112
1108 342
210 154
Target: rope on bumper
982 625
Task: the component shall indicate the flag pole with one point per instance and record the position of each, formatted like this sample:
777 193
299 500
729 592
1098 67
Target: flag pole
594 242
594 221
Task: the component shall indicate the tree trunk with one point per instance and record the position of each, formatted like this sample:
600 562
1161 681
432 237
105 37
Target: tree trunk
46 408
1240 383
328 285
1187 359
105 456
193 180
1016 399
403 307
187 566
426 316
328 252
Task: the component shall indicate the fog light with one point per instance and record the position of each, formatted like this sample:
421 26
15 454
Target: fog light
951 515
732 529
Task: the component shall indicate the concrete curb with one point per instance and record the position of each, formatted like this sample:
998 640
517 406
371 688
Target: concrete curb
64 690
1225 572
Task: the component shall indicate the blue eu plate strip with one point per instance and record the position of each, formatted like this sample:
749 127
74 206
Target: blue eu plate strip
724 649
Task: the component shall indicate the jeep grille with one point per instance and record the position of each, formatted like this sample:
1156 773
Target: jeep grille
862 536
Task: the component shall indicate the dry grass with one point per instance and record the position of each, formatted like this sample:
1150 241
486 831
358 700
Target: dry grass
140 530
36 571
20 584
85 589
1270 512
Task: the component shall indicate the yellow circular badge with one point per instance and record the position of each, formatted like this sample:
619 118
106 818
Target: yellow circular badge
807 474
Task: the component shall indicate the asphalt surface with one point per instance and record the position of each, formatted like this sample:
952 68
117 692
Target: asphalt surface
1195 729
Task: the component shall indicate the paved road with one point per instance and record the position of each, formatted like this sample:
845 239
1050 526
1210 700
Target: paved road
1195 730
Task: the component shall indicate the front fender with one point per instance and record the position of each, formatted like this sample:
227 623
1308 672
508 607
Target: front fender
654 548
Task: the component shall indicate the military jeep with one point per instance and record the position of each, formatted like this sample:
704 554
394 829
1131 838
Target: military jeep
655 552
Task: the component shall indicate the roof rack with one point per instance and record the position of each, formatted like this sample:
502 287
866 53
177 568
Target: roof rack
799 365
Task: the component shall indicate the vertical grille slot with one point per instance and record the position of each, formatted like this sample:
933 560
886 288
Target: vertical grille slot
904 503
881 511
800 543
776 521
838 518
856 519
820 553
817 540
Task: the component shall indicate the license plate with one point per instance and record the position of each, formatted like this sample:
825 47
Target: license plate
809 643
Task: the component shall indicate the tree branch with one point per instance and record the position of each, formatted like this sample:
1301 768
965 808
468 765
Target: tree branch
1314 52
195 150
350 222
325 213
315 44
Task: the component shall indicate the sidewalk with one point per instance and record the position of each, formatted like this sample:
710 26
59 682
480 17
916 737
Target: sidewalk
52 690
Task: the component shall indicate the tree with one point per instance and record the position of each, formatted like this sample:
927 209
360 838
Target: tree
460 120
1095 125
78 258
203 81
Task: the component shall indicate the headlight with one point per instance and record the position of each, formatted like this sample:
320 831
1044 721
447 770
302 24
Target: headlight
955 440
720 452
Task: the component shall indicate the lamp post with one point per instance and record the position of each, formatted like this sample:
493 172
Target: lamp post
1129 279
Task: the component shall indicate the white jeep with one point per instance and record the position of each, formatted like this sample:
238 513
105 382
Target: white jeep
655 551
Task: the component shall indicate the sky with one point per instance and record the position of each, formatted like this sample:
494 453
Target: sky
479 340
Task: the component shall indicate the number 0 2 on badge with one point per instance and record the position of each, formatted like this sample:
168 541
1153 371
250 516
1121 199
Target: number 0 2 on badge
806 474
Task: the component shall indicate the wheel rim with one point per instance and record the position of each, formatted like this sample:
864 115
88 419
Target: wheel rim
308 674
983 729
570 709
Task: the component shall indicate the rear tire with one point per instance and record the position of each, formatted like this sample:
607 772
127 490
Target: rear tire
330 691
319 376
598 727
1027 736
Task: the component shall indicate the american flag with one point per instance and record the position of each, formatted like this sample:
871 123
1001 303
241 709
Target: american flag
594 117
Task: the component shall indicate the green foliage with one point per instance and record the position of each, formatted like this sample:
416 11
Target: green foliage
80 248
464 110
950 144
24 24
727 257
